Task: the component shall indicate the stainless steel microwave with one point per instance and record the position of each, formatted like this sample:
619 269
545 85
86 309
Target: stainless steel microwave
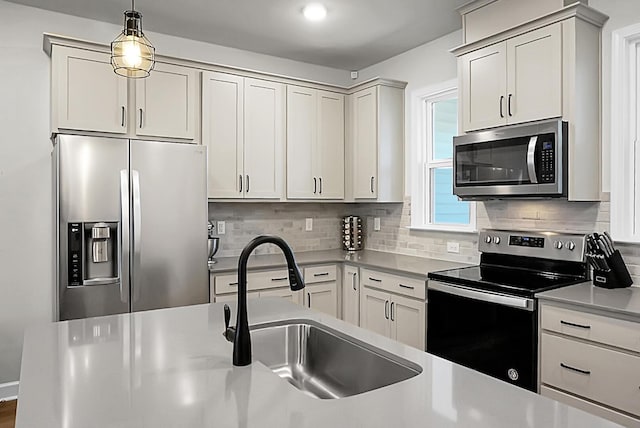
518 161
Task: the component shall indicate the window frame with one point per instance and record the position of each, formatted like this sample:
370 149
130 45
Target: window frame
422 162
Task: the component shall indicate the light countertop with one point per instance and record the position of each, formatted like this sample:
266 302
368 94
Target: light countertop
172 368
623 301
417 266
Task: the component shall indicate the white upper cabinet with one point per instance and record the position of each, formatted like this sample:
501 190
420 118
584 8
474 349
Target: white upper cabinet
264 123
222 133
518 80
243 127
88 96
375 144
167 102
315 144
86 93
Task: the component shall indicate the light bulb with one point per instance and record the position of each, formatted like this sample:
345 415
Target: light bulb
131 54
315 12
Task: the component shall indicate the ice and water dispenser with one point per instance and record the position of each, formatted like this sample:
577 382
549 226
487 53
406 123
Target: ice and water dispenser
92 253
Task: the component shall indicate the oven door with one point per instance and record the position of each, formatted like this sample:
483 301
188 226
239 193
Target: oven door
493 333
514 161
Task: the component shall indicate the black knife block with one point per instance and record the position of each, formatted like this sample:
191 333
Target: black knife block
617 277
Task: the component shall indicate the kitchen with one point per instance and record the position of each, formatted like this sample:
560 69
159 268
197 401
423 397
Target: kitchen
25 166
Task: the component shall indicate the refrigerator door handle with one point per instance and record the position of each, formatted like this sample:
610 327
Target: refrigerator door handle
137 223
124 233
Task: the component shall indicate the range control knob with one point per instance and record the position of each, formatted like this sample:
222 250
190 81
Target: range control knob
558 245
487 239
570 245
496 239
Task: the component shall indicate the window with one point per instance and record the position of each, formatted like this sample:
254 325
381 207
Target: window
434 206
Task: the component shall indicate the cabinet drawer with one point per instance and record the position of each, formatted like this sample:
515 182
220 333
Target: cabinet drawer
603 375
396 284
225 283
611 331
316 274
255 281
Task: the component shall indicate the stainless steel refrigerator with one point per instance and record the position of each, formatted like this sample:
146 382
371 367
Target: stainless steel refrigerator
131 225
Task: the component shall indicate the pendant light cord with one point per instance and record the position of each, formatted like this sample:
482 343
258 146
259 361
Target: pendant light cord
133 4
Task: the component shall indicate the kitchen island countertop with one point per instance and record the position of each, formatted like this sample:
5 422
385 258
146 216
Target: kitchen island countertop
398 263
172 368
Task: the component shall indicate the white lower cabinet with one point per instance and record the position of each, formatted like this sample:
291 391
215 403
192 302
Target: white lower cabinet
351 295
591 361
321 289
396 316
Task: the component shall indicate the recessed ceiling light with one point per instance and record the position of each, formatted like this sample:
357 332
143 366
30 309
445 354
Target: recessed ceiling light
315 12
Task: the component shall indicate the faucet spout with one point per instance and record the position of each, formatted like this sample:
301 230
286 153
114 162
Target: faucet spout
242 339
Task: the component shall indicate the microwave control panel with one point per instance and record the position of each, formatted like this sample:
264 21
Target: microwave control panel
547 160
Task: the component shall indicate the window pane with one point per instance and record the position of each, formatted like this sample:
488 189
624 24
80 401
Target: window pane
445 127
447 209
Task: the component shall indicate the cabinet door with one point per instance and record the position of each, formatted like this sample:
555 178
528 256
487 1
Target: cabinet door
222 133
87 94
263 139
284 293
483 81
534 75
167 102
374 311
329 150
323 298
408 321
351 295
301 140
365 143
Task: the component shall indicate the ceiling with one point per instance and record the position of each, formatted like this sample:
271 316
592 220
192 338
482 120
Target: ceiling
356 33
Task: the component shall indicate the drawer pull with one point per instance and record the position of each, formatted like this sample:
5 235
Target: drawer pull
575 325
407 286
321 274
279 279
231 284
585 372
375 279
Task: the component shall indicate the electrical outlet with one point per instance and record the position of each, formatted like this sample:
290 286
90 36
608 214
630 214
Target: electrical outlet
221 228
453 247
376 223
309 225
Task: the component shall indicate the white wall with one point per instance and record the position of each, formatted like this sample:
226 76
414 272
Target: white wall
26 269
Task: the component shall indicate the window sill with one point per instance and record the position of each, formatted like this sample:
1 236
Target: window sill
443 228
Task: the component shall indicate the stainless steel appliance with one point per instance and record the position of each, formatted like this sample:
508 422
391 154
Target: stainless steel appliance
352 233
485 317
515 161
131 222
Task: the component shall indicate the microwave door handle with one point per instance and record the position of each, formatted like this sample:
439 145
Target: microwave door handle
531 159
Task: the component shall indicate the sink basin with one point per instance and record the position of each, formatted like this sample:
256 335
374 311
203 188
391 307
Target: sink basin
325 363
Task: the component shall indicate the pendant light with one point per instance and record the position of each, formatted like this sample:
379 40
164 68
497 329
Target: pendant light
132 54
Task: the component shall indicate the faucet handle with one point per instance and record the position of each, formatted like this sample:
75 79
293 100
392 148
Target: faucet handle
229 332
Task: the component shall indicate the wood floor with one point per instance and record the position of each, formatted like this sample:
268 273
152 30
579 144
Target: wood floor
8 414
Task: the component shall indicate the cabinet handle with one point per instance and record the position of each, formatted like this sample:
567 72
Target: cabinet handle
315 185
386 309
279 279
321 274
232 284
247 183
140 118
240 181
392 303
353 281
320 185
372 178
585 372
309 297
375 279
575 325
509 105
407 286
123 114
501 103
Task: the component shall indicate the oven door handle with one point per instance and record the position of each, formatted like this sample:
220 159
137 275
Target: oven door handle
531 159
500 299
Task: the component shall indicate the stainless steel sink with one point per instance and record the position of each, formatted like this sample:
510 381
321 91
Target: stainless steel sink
325 363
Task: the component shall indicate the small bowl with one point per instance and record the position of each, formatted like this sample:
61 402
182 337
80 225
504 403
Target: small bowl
212 245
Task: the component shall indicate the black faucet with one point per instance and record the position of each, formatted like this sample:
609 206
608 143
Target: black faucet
240 334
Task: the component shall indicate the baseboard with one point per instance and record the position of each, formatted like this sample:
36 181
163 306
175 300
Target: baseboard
8 391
